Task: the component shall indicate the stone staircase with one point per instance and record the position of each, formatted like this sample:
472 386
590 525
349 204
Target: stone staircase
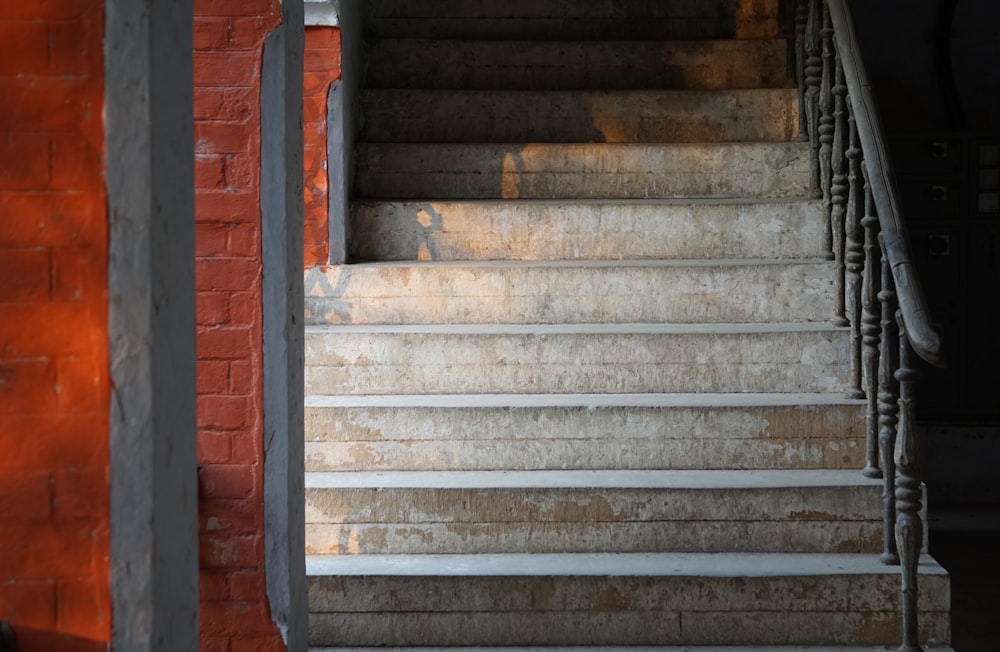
587 391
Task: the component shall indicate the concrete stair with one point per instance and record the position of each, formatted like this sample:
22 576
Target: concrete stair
580 387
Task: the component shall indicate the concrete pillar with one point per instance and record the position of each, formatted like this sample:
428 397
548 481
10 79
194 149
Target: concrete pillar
150 184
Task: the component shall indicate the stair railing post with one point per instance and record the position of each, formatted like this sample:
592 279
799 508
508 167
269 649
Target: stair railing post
871 330
838 185
888 405
909 525
801 21
812 75
854 256
826 126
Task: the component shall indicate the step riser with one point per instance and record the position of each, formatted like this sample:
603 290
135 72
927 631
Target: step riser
547 231
553 117
520 294
583 171
830 610
570 65
352 363
696 537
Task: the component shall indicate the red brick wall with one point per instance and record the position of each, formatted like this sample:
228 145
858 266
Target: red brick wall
228 43
54 380
322 68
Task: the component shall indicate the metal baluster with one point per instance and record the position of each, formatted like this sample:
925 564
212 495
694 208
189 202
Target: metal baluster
812 76
888 405
909 526
854 257
838 186
871 331
801 20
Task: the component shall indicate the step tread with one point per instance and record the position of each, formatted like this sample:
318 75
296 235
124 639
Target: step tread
627 648
607 479
593 264
652 400
609 564
576 329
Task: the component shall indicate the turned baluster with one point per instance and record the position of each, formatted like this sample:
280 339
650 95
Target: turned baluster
871 331
888 405
801 20
826 125
838 187
909 526
812 76
854 256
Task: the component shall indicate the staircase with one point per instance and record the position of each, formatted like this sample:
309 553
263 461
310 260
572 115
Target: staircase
587 391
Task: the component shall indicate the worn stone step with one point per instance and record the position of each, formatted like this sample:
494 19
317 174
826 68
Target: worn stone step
479 292
592 511
562 19
616 599
549 65
588 431
582 171
493 116
610 230
585 358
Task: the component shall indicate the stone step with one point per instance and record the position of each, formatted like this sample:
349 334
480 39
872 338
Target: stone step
616 599
582 171
493 116
550 65
707 291
567 359
550 230
589 19
592 511
588 431
617 648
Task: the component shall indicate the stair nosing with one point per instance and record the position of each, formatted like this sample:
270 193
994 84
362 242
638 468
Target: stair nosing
599 328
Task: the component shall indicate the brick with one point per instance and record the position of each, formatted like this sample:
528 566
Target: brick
213 137
245 307
79 274
25 495
314 108
214 447
247 33
237 8
230 517
26 48
323 38
83 609
24 161
226 68
51 104
230 552
75 47
49 440
323 60
226 480
36 220
27 386
212 309
247 448
243 375
41 551
81 493
211 240
227 206
215 274
82 379
226 104
213 643
213 585
235 619
242 171
29 603
41 331
76 164
210 33
247 585
316 254
209 172
213 376
223 412
224 343
268 644
25 274
244 239
44 9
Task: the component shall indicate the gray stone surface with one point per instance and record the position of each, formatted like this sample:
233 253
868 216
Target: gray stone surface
582 171
568 230
703 291
407 116
151 327
570 359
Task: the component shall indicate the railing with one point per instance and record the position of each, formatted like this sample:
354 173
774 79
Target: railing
879 294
